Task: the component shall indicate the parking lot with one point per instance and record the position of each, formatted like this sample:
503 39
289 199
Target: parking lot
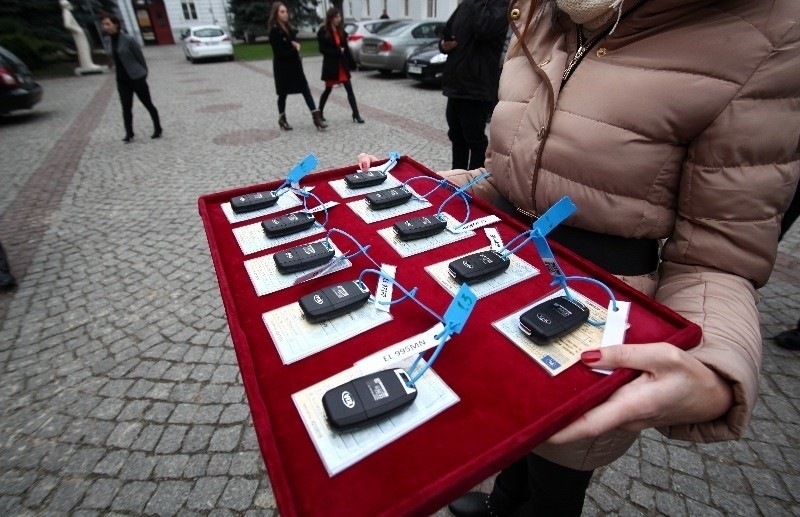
120 389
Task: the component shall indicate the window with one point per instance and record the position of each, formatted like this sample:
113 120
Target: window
189 10
431 8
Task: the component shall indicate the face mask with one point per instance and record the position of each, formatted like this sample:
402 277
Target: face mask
583 11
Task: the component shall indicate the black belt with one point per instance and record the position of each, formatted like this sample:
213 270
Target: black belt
618 255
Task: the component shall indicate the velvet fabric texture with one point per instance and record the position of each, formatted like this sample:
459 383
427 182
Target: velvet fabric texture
508 403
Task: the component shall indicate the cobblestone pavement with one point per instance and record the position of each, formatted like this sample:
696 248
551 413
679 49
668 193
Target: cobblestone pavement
119 387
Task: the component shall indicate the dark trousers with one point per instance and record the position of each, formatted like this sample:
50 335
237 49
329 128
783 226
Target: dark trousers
533 485
466 122
4 267
351 98
306 95
791 213
126 90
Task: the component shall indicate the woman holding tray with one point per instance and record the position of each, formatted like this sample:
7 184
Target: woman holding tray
287 67
681 162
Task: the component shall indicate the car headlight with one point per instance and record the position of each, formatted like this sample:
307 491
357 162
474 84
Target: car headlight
438 58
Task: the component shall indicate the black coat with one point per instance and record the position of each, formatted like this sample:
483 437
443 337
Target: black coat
286 64
472 70
333 55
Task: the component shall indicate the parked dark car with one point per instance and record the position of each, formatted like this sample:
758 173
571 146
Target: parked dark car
18 90
426 64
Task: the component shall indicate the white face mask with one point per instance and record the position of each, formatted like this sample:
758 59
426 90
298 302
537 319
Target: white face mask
583 11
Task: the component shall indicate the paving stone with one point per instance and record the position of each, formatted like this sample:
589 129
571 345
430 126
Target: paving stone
171 466
111 463
171 439
225 439
15 482
138 466
169 497
67 495
133 497
101 493
83 461
206 492
39 491
766 483
148 438
159 412
238 494
670 504
247 464
691 488
124 434
219 464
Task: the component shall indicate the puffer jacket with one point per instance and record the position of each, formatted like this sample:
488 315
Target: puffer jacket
683 124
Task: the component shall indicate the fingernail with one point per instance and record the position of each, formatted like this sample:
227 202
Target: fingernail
591 356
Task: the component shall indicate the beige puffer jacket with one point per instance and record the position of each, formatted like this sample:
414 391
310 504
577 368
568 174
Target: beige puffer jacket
684 125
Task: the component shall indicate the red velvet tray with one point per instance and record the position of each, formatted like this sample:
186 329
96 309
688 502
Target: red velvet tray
508 403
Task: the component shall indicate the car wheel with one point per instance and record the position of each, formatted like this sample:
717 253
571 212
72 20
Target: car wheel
385 72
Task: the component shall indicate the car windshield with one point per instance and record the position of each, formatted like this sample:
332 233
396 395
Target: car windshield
395 29
209 33
375 27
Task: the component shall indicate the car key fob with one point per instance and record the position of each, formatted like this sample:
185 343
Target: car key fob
477 267
304 257
388 198
365 179
288 223
552 318
420 227
368 399
253 202
334 300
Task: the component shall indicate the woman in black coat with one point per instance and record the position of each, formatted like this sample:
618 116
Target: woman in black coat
287 67
336 60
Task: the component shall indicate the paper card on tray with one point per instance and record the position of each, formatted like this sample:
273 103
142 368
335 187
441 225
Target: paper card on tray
285 202
266 278
400 352
518 271
341 188
563 352
339 450
408 248
251 238
369 216
296 338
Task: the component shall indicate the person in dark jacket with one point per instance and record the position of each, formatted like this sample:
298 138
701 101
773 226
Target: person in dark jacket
287 68
131 75
337 61
473 41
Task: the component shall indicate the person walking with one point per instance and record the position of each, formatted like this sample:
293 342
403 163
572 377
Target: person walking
591 106
337 61
131 75
473 41
287 67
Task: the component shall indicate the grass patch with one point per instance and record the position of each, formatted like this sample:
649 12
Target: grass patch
261 51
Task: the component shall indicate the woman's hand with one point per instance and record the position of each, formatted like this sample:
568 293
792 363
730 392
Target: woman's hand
296 45
674 388
448 44
365 160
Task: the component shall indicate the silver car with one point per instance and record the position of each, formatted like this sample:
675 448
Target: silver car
389 49
356 31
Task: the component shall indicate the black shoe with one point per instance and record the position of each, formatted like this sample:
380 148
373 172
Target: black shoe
156 133
357 118
472 504
128 138
7 281
788 339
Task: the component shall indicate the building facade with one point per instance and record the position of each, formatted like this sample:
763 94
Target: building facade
160 22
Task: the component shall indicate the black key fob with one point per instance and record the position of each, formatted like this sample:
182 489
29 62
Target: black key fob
288 223
334 301
388 198
304 257
365 179
477 267
552 318
252 202
368 399
420 227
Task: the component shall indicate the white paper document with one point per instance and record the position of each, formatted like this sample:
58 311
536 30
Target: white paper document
341 188
369 216
409 248
251 238
285 201
563 352
296 338
518 271
266 278
339 450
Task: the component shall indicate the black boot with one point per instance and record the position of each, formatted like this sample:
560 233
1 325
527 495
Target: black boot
6 280
157 132
128 138
357 118
315 115
789 339
283 123
323 100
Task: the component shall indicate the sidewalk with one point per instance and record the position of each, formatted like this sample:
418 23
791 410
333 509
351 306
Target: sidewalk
119 387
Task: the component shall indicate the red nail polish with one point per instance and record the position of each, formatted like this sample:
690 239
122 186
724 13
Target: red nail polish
591 356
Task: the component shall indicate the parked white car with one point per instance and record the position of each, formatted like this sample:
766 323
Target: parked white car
207 41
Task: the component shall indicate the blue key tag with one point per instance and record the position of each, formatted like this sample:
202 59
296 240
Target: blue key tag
555 215
394 156
547 255
460 308
305 166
